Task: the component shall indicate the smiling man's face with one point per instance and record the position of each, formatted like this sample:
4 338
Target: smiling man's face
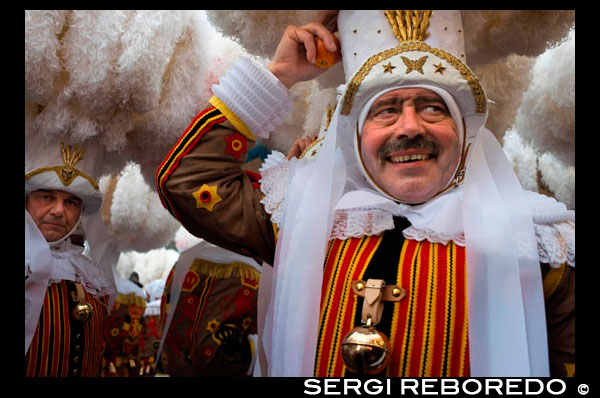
54 212
410 144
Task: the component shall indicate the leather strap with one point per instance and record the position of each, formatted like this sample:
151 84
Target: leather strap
375 293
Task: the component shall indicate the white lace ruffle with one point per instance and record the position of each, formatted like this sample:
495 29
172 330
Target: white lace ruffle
556 243
273 184
554 228
434 236
360 222
71 265
554 225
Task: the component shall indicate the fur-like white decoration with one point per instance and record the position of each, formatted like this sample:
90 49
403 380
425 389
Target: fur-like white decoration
495 34
318 100
184 239
258 31
559 178
546 118
290 130
42 65
130 80
137 219
523 159
150 266
504 80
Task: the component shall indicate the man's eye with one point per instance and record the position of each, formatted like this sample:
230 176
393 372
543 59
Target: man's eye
72 204
387 111
434 109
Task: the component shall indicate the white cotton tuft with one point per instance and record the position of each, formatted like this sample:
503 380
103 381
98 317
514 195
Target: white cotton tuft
546 117
90 48
137 219
523 159
559 178
42 28
154 264
494 34
504 80
150 266
258 31
184 239
131 81
148 44
200 56
318 100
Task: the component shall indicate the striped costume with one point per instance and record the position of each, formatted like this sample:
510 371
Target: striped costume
62 345
202 183
427 329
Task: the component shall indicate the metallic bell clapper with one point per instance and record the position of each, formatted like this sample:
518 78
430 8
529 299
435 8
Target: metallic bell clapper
366 350
82 311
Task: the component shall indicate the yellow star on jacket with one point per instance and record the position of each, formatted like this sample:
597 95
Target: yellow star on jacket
206 197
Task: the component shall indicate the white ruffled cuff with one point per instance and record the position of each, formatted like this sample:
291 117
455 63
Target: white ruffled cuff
255 96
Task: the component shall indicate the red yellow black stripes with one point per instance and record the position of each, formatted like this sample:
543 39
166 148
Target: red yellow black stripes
201 124
51 351
427 329
338 303
429 332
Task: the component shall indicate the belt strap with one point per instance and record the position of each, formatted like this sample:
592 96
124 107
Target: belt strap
375 293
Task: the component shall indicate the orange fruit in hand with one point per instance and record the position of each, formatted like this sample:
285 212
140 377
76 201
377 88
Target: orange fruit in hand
326 59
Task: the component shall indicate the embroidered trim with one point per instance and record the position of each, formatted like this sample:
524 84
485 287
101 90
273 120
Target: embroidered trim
365 69
203 123
236 121
236 145
67 173
206 197
409 24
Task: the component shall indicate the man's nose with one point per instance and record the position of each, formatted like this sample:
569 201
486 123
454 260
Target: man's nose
58 209
409 123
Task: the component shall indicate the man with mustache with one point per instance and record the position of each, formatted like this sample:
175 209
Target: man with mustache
407 227
67 294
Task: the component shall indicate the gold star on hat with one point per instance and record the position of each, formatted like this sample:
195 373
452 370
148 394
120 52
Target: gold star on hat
388 67
439 68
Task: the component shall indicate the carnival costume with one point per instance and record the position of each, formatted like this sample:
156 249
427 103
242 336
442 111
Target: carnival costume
482 274
69 287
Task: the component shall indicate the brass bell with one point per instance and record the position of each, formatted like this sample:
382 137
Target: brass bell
82 311
366 350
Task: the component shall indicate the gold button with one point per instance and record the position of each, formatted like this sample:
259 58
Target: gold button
76 359
75 372
396 292
360 286
77 348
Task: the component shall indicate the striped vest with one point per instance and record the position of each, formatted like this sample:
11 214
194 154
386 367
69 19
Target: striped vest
63 345
427 329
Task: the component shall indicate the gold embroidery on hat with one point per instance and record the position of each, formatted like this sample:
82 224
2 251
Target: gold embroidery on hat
439 68
365 69
388 68
409 25
67 173
414 65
